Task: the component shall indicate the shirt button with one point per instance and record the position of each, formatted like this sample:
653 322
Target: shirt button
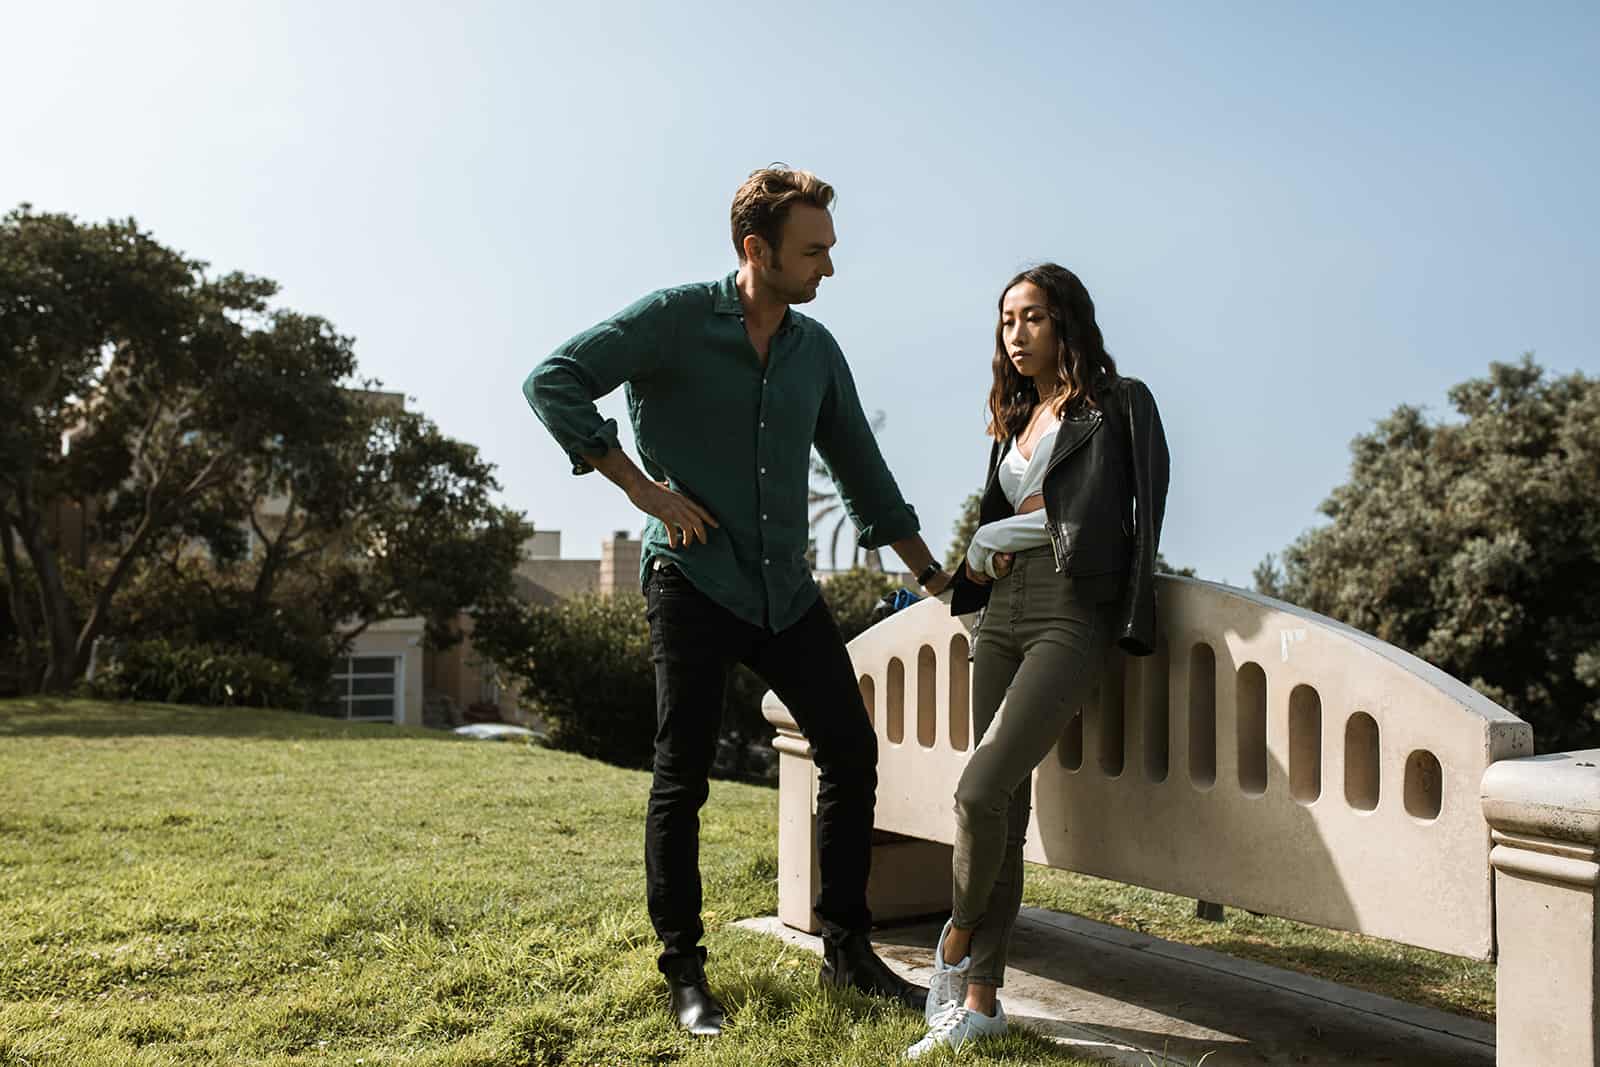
768 562
763 516
763 470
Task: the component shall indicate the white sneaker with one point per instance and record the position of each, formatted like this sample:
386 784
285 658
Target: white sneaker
957 1025
949 982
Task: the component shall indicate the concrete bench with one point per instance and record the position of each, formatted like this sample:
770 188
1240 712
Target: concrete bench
1266 758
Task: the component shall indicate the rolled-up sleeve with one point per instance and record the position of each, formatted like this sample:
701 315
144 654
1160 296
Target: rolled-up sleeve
562 389
847 445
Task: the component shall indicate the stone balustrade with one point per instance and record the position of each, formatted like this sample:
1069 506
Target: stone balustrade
1267 758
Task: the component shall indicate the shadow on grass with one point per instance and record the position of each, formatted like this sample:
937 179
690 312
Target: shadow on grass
46 717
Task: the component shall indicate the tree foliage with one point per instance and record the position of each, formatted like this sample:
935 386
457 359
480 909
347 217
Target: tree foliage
961 536
153 407
853 594
160 378
585 664
1475 543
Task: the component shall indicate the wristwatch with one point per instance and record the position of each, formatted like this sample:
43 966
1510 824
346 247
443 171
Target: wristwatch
928 573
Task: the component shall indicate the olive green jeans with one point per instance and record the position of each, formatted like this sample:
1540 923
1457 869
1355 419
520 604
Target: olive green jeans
1039 651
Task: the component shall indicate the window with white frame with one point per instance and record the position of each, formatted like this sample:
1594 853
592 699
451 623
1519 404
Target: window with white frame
365 688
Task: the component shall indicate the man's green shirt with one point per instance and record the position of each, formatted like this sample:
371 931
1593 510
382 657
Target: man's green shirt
728 434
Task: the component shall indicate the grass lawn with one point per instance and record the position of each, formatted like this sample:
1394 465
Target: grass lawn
184 886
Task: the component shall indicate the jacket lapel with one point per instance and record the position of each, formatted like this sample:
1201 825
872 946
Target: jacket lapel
1071 436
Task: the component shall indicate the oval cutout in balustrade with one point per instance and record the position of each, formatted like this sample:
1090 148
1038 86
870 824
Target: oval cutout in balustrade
869 697
1305 744
1250 728
1154 693
1069 750
927 697
1361 784
960 694
895 719
1202 716
1424 789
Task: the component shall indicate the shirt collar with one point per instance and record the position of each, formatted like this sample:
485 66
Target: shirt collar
725 301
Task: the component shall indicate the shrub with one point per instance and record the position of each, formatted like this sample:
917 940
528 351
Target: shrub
586 663
196 674
1474 542
197 604
853 594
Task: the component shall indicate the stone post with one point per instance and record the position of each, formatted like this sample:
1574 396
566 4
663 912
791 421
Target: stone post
1544 815
798 880
910 878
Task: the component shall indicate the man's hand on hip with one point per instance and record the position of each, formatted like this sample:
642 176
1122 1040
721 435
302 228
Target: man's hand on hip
683 518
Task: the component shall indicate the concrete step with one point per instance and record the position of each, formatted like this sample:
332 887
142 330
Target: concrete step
1128 998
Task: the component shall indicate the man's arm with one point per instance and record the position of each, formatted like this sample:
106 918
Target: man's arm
562 391
682 517
867 489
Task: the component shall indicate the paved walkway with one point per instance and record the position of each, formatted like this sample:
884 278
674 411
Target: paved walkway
1129 998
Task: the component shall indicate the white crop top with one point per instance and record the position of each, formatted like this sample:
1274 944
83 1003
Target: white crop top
1019 479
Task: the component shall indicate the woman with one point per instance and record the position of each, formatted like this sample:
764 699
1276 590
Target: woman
1064 558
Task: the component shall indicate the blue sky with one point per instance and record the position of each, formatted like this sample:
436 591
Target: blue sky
1292 217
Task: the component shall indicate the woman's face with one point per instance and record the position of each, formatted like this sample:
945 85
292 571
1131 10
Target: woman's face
1028 331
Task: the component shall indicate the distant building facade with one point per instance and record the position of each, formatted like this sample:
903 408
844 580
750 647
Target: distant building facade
458 684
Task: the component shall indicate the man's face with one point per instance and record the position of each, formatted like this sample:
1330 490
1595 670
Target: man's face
795 270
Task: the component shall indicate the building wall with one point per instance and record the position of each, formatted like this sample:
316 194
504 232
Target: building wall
563 577
619 565
458 677
542 544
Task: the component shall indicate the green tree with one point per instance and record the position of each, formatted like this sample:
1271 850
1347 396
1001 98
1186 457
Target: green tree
961 536
162 379
186 403
390 518
853 594
1474 543
1163 567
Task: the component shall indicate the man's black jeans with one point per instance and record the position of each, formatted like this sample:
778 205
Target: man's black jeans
694 642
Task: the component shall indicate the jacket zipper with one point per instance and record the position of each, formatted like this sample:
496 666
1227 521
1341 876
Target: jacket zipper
1056 549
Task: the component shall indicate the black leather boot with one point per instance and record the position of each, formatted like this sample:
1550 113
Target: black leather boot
689 998
850 963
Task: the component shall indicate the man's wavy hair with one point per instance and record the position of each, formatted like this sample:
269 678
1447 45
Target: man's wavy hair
1086 368
764 200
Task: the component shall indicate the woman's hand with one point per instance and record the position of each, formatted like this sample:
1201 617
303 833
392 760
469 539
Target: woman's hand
1001 563
976 577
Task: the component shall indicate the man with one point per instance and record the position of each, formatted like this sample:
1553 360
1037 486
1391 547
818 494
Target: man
728 389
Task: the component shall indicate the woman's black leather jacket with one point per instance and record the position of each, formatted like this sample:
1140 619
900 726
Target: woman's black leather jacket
1105 491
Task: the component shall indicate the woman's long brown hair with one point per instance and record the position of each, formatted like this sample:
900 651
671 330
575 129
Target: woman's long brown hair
1085 367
